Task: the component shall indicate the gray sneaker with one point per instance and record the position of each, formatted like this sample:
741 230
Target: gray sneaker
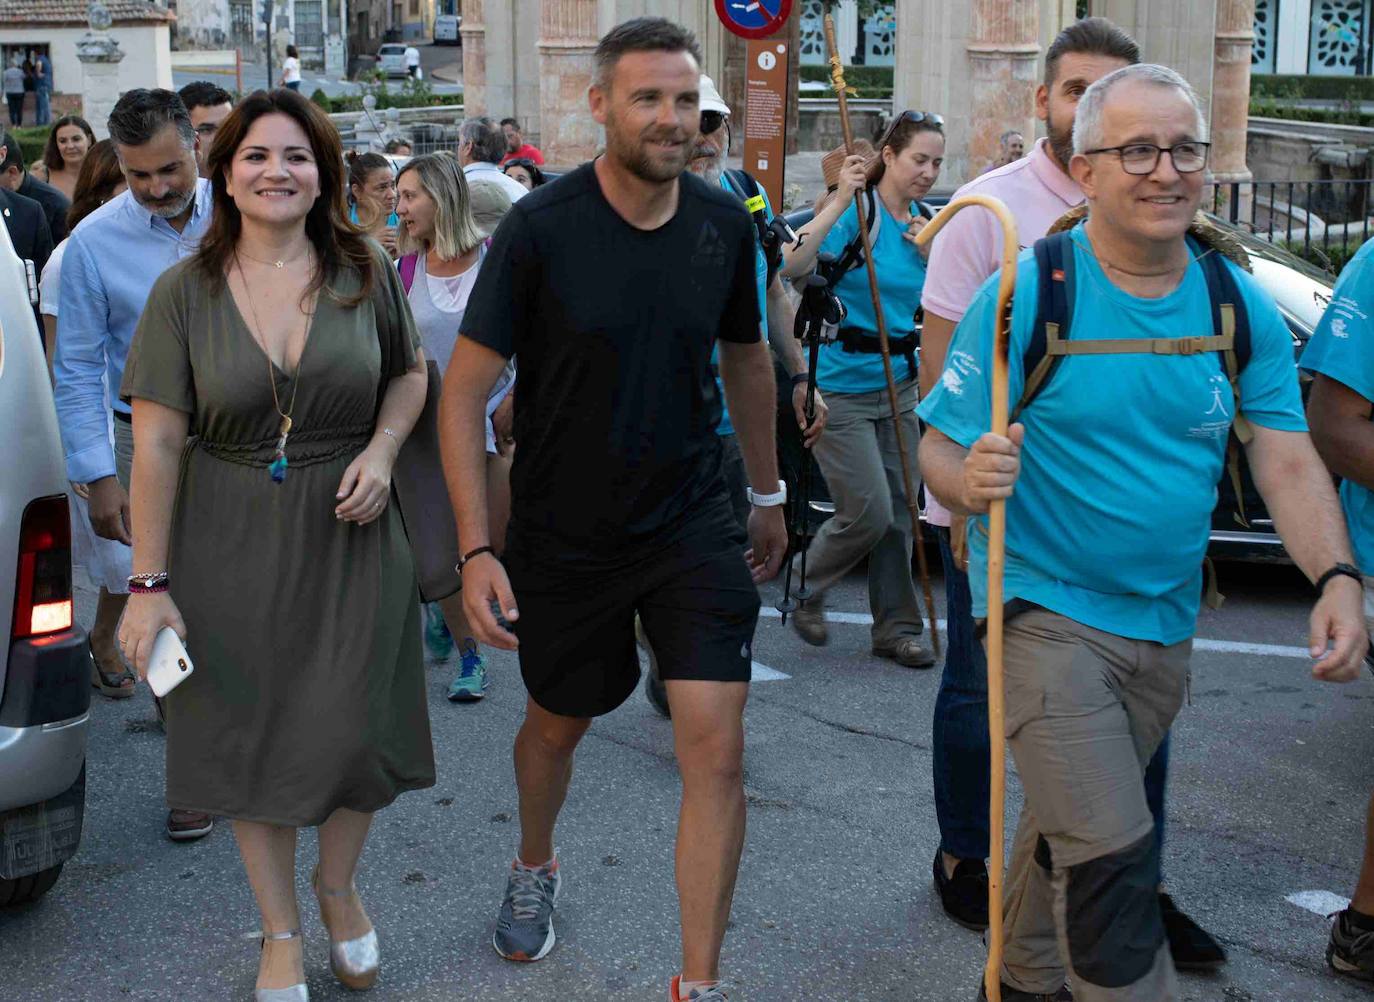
716 994
1351 950
524 930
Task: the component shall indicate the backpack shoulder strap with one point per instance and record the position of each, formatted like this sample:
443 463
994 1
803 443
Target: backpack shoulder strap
406 266
853 256
1053 314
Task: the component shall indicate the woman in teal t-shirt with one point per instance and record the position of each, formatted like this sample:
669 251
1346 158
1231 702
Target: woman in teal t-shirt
858 452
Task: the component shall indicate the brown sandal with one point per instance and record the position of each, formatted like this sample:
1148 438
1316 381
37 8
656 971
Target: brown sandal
113 684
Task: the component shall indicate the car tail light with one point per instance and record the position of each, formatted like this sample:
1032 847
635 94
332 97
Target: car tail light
43 586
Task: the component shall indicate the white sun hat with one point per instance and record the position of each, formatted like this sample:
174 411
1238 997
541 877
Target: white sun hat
710 97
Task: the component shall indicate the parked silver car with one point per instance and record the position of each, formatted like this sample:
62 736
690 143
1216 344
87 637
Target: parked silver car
45 666
391 60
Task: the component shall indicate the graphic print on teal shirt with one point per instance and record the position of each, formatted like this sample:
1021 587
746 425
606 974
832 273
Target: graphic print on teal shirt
726 427
901 276
1342 347
1122 454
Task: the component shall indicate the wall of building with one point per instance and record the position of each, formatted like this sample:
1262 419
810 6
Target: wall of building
147 54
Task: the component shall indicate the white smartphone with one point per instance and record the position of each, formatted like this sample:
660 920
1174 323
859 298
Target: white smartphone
170 665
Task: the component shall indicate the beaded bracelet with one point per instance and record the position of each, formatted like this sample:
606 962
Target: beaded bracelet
148 584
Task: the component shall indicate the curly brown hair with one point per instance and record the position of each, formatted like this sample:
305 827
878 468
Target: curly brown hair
338 244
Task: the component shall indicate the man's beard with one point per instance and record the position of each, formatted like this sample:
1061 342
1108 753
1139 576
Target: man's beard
707 162
634 157
1061 140
174 208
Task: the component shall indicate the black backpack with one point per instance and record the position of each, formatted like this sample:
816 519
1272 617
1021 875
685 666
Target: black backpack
747 188
853 254
1050 343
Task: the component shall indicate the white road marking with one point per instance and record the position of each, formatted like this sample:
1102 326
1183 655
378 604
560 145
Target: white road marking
762 673
1321 903
1199 643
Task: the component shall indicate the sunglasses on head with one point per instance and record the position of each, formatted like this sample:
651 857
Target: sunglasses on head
711 121
915 118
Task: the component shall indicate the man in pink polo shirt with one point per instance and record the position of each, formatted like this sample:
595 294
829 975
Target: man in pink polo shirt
1038 190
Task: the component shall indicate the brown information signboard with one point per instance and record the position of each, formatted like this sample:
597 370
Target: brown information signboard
765 115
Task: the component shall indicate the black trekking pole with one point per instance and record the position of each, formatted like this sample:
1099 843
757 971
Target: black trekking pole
818 321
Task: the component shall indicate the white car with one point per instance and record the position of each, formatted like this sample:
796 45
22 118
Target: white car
45 661
391 60
446 29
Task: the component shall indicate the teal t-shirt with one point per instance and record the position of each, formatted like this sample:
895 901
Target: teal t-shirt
726 427
901 276
1342 347
1111 516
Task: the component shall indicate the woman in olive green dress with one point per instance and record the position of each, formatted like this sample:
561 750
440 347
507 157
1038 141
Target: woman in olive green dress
286 349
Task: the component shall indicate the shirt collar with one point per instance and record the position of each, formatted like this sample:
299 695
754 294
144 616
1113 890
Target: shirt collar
200 206
1052 176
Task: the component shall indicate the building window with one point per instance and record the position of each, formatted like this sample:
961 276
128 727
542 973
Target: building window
309 24
1339 43
879 37
414 8
1266 36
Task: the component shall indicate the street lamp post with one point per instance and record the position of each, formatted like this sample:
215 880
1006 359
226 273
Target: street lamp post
267 22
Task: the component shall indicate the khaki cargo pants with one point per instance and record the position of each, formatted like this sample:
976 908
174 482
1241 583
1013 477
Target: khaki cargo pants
1085 712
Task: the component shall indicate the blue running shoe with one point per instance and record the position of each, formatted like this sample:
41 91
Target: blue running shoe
438 641
524 930
470 685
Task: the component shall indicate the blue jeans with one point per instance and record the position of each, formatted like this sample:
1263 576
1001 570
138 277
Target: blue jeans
42 113
960 732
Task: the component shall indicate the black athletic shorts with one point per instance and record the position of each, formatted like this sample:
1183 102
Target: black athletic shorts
695 598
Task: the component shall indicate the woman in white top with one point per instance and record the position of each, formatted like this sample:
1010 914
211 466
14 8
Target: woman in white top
107 561
291 69
441 249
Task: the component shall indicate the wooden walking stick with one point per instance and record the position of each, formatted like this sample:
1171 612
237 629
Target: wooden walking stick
837 81
997 548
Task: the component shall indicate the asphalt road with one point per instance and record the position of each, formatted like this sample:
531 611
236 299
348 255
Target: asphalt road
1267 799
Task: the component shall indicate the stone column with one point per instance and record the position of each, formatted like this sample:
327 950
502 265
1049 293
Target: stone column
100 56
567 41
474 33
1003 55
1231 95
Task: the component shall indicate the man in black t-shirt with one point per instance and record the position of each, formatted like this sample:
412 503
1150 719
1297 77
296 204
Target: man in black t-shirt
612 285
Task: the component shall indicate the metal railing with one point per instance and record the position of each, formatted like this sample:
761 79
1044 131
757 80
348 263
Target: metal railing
1308 216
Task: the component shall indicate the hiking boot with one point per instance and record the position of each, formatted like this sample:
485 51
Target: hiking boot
524 930
809 622
1192 947
716 994
906 651
654 689
438 641
963 896
1351 950
470 684
1010 994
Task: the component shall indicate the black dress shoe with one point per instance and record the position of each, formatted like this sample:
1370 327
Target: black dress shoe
1192 947
964 896
1012 995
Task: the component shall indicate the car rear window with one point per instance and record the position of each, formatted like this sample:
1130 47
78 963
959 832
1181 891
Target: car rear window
393 50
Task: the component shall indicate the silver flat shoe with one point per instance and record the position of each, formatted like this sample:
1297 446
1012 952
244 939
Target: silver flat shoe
296 993
355 962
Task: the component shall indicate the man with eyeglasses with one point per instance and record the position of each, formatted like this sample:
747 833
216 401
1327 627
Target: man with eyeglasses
1110 475
209 105
1038 189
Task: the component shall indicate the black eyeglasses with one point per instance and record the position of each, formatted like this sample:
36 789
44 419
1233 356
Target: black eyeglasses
711 121
1143 158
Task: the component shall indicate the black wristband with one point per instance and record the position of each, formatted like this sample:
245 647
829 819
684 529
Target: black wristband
1340 570
799 378
463 560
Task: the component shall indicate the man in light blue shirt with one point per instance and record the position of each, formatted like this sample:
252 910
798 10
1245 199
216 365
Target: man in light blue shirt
111 262
1341 357
1114 467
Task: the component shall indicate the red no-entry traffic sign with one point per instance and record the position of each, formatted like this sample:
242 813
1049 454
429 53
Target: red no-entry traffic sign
753 18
